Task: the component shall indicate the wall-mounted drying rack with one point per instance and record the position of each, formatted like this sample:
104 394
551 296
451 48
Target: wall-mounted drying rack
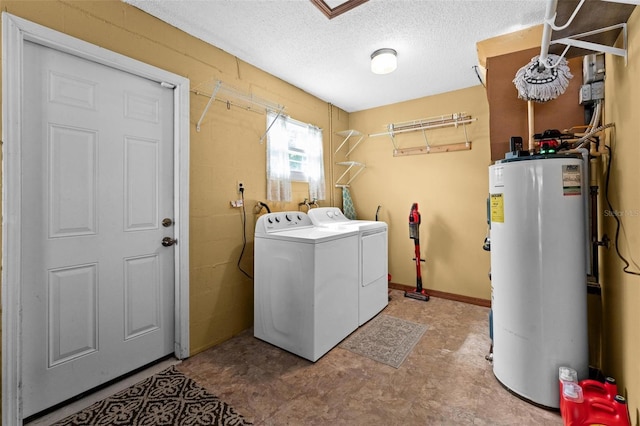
350 165
356 137
219 91
348 134
443 121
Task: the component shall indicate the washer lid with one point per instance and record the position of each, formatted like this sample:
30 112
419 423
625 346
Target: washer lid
311 235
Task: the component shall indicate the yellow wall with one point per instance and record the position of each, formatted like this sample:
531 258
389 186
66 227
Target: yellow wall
227 148
621 292
451 189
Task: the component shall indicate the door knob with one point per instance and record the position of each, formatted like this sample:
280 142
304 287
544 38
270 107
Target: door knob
166 222
168 241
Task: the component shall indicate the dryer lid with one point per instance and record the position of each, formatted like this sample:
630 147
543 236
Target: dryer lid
333 216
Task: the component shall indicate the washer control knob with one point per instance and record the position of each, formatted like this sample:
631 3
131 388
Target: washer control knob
277 219
288 217
299 217
269 220
330 214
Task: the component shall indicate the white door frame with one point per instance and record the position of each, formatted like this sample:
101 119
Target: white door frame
15 32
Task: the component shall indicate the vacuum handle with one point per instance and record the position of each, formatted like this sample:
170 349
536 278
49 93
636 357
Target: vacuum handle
414 222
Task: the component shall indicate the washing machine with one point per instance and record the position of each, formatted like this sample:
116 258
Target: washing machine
306 284
373 282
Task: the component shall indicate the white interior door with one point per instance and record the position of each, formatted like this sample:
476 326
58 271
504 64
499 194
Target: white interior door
97 182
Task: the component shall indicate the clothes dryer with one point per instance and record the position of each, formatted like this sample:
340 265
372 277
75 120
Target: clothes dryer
373 285
306 284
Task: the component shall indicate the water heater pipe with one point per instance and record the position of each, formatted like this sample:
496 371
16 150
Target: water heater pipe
585 190
530 144
585 187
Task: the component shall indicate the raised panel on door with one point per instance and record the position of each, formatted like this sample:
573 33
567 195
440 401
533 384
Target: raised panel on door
141 183
141 107
73 181
72 90
73 313
143 293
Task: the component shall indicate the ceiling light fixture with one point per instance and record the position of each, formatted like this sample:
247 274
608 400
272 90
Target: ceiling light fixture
384 61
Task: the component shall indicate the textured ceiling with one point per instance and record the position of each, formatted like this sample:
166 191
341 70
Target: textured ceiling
293 40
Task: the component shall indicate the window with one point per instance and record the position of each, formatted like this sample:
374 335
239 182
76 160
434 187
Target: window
297 141
294 153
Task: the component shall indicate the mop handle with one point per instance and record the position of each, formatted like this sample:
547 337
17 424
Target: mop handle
549 16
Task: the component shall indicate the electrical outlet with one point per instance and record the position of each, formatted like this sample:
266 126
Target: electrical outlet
240 186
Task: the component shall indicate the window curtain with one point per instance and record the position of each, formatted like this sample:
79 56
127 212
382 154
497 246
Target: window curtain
278 165
278 173
315 163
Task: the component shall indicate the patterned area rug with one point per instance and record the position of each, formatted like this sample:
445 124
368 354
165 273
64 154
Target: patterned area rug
166 398
385 339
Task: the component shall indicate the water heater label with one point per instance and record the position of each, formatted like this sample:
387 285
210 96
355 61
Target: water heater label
571 179
497 208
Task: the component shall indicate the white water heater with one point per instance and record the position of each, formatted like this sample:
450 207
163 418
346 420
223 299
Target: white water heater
538 273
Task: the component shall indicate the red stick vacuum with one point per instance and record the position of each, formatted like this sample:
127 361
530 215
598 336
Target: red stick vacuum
414 233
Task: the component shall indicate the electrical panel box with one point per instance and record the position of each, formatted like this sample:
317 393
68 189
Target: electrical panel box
589 93
593 68
593 74
585 94
597 90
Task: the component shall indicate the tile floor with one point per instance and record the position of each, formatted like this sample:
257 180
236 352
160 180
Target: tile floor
444 381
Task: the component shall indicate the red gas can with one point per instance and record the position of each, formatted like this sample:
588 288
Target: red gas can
602 411
595 389
590 402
